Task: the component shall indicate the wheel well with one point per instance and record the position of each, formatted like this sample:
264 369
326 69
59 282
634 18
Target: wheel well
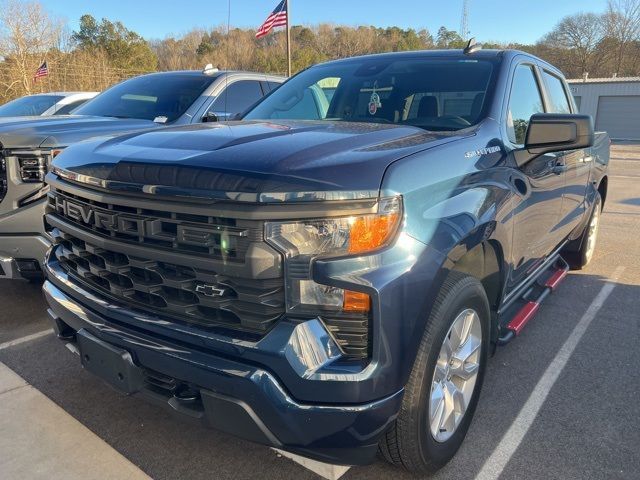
602 189
483 262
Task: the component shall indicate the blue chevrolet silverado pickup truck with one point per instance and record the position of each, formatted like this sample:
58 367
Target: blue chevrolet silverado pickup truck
330 275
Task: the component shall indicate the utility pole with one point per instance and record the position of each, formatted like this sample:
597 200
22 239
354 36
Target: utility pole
464 21
288 38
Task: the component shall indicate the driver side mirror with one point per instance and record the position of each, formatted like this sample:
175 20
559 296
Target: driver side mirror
555 132
210 117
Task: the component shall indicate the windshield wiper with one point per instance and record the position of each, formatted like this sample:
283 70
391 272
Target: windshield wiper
436 129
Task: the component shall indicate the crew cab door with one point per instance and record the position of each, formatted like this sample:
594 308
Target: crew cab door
539 183
575 163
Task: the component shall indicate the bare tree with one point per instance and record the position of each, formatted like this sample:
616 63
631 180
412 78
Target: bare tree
27 32
623 27
100 54
178 53
580 33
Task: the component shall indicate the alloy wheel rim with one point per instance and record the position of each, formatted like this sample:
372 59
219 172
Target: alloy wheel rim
455 375
593 232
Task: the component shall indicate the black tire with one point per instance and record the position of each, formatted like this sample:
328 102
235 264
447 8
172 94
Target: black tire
579 253
409 443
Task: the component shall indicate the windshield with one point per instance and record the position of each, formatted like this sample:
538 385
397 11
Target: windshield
433 93
31 105
148 97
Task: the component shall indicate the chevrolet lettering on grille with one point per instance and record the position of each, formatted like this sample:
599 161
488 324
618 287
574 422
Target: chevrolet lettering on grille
146 227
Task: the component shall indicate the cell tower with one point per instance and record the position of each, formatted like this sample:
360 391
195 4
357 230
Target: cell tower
464 21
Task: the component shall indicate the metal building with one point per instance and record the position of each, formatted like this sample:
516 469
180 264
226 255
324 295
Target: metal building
614 103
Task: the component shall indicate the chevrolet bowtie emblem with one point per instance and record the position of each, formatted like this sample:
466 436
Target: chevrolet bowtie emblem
211 290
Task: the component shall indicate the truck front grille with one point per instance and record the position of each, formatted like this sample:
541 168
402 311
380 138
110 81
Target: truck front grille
192 269
192 295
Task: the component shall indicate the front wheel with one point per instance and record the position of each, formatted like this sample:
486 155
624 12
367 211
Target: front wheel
443 389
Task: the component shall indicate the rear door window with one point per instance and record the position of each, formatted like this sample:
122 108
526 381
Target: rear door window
557 94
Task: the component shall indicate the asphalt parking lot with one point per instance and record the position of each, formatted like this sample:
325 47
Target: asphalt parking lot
587 426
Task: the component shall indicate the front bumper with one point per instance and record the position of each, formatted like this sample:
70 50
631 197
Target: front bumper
23 242
289 389
21 256
229 394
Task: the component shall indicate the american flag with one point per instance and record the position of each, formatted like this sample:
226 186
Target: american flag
43 71
278 18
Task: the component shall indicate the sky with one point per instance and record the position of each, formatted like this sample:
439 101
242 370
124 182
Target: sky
523 21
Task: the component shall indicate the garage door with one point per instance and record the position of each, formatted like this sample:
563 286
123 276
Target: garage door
620 116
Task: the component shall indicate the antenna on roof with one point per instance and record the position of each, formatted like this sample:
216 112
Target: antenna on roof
209 69
472 46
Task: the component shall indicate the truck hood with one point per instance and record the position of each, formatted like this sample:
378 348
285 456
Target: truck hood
250 157
62 130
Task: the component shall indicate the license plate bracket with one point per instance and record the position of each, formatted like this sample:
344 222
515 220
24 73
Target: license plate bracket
112 364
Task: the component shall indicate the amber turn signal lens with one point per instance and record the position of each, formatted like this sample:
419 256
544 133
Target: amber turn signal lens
356 302
371 232
366 234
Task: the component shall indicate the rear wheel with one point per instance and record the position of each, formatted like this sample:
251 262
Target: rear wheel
443 389
580 252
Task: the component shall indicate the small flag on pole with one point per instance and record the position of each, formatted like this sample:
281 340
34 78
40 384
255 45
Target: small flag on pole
277 18
43 71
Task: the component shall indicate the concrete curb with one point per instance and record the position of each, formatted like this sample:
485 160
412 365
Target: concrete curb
40 440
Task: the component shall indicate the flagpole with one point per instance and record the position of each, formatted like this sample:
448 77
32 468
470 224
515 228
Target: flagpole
288 39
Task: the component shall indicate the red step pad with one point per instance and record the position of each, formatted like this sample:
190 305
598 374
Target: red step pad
556 278
521 318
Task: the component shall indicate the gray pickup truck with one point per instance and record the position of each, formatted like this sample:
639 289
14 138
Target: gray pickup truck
329 275
28 144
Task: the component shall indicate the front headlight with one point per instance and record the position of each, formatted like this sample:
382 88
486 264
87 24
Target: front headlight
34 164
303 241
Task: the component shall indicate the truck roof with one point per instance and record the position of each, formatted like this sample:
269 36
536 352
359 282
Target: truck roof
426 53
214 74
504 54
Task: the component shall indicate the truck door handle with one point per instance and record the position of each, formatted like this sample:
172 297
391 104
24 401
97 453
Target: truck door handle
559 169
